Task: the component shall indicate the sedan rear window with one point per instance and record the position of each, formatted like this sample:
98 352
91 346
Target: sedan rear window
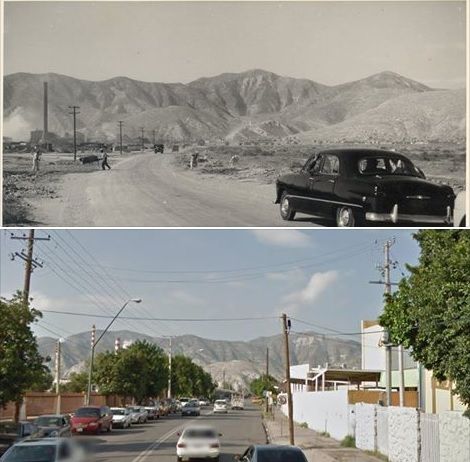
200 433
280 455
49 421
386 165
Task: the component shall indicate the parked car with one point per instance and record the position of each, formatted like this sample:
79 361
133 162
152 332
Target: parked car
459 210
52 425
356 186
198 442
272 453
11 433
92 419
46 450
139 414
220 406
153 412
238 403
191 408
121 417
204 402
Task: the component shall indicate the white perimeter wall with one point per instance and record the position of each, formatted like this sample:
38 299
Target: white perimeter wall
365 426
454 435
403 438
326 411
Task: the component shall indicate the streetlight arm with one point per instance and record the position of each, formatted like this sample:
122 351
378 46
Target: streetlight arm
109 325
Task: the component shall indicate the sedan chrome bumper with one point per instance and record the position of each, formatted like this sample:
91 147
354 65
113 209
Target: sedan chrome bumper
394 217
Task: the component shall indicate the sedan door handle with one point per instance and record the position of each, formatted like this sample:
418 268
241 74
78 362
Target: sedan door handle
331 181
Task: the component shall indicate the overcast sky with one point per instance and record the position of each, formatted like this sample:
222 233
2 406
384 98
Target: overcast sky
329 42
318 276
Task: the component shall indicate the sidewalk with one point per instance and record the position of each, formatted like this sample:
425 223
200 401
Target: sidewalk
317 448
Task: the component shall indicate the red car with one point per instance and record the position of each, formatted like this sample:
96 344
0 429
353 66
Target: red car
92 419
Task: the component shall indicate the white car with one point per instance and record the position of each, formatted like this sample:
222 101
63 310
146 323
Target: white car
46 450
220 405
121 417
198 442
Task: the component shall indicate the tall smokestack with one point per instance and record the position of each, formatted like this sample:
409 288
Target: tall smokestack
44 135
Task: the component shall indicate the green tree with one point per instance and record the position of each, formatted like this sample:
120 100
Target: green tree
430 311
78 383
263 383
140 371
190 379
43 381
21 365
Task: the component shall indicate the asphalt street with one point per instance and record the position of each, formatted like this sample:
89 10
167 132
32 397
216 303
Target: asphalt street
157 440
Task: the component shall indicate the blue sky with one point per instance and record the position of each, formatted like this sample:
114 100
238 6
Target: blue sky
318 276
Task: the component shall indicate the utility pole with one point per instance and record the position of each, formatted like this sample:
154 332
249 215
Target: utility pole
286 329
267 362
388 345
92 357
57 375
120 136
169 371
153 136
30 262
74 113
142 138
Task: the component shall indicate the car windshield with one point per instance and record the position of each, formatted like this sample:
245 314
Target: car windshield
87 412
200 433
134 409
118 411
219 402
38 453
48 421
386 165
280 455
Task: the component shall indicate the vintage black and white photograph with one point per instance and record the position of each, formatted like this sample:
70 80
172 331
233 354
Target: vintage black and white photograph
234 114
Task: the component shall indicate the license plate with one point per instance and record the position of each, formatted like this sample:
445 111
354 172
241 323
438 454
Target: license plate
79 429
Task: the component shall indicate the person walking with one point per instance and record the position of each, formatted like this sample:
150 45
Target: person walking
104 160
36 159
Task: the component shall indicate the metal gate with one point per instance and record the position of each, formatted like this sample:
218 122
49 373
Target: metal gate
429 424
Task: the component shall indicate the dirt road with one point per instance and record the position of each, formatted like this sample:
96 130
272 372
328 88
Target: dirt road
145 190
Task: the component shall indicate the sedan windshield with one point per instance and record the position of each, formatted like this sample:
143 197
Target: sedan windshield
87 412
387 165
39 453
48 421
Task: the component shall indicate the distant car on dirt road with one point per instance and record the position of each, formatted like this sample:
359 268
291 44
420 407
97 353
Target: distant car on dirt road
359 186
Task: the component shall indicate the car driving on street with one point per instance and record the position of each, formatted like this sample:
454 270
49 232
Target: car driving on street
272 453
121 417
198 442
356 186
220 406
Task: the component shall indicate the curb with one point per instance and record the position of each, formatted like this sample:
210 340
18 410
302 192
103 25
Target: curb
266 431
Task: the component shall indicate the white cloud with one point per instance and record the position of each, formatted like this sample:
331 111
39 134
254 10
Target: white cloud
315 287
282 237
185 297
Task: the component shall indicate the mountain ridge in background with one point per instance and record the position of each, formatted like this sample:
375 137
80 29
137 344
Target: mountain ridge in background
235 107
238 361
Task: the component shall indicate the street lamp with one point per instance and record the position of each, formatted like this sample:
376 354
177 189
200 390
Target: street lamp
93 345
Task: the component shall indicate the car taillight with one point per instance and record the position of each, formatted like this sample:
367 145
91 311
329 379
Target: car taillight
214 445
181 445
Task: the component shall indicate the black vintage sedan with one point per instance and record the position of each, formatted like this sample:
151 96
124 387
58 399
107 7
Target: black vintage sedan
356 186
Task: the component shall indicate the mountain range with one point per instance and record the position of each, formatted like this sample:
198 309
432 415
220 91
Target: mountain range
237 361
236 107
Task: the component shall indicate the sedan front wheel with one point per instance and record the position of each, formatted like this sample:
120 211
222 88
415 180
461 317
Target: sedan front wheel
345 217
287 212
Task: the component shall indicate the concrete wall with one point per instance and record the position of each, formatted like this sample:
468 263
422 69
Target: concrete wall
323 411
403 434
454 434
366 426
300 371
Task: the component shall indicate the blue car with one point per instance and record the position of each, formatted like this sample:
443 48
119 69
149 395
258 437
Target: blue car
272 453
